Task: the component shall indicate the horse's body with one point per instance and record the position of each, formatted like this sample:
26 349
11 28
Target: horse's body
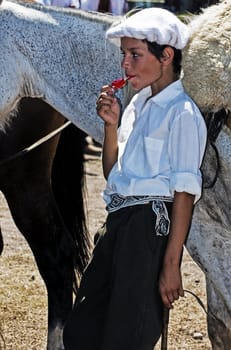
209 241
208 80
44 194
53 63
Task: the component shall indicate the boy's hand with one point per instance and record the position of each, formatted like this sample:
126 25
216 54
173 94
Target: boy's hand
108 106
170 285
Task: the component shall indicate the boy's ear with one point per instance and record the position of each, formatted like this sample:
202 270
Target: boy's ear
168 54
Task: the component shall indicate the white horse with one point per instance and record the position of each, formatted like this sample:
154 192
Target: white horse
58 55
207 78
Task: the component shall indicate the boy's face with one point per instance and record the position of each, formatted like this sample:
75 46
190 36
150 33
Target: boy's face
139 63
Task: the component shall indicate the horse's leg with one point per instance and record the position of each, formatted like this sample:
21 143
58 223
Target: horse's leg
219 328
26 184
35 213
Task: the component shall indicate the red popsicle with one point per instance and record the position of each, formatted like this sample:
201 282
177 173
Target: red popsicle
119 83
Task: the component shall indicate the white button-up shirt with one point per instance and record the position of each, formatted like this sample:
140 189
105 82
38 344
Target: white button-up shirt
161 142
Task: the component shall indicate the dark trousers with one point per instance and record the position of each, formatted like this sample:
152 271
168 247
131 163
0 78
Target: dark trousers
118 306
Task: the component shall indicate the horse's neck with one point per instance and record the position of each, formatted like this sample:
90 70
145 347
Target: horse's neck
68 60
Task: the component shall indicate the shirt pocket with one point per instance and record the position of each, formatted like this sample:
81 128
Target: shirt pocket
143 158
152 152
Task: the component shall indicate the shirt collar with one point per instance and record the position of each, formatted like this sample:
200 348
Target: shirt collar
165 96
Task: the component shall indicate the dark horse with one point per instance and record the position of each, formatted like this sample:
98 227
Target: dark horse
44 191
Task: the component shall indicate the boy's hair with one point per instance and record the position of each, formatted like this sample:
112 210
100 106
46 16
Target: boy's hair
157 51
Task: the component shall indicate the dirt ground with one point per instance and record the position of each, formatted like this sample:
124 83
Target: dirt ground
23 303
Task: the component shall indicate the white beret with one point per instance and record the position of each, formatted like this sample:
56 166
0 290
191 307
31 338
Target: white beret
153 24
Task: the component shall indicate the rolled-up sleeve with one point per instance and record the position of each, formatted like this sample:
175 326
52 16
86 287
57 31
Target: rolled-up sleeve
186 149
186 182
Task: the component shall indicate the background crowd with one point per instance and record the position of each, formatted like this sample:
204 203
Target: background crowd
119 7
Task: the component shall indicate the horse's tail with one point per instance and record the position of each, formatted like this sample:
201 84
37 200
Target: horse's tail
68 184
